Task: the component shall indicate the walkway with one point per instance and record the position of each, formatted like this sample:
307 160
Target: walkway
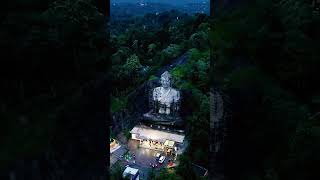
115 156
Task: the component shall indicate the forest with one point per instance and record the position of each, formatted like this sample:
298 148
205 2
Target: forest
266 59
142 45
58 59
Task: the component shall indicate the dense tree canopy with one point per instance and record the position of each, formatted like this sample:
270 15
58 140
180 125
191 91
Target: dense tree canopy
266 60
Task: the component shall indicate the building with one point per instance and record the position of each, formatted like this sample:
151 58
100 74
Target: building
114 145
131 173
170 143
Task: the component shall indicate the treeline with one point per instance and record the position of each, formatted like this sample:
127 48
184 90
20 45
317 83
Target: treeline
267 59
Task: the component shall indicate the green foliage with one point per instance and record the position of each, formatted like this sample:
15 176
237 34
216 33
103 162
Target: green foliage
199 40
129 72
178 75
121 55
156 40
152 47
112 135
153 77
185 169
116 172
196 71
205 27
196 54
165 174
122 39
132 65
118 103
172 51
194 76
152 174
127 134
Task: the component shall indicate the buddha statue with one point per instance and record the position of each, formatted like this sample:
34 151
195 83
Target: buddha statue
165 96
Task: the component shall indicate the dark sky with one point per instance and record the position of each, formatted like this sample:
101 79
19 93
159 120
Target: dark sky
173 2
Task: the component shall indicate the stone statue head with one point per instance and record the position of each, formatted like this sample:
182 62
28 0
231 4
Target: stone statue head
166 79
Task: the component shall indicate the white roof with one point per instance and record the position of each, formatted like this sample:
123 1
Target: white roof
160 136
130 170
169 143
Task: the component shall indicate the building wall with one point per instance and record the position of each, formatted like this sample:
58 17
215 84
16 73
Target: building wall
134 136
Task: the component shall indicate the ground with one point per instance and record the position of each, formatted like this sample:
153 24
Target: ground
145 156
136 157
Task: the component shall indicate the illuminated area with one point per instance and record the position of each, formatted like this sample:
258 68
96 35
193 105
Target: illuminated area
114 145
158 140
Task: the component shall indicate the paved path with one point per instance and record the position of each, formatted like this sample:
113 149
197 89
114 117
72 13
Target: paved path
115 156
115 148
178 61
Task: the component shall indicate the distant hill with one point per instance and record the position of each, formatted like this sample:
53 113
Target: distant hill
121 9
171 2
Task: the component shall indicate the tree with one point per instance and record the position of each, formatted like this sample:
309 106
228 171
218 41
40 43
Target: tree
122 54
165 174
152 174
152 48
123 39
185 169
260 61
127 75
116 173
199 40
132 66
172 51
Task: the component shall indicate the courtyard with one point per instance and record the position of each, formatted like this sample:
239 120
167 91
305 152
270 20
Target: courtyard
130 154
144 157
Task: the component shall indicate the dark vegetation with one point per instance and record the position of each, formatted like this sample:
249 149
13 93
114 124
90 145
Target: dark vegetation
266 58
141 45
53 66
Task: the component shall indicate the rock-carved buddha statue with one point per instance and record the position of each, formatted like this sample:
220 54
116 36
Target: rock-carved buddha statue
165 96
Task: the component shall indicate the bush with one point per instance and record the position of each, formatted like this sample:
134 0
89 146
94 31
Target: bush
118 103
199 40
127 134
172 51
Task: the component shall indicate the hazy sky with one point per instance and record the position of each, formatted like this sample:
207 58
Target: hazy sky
173 2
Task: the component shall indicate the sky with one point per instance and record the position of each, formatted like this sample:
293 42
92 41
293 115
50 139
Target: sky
172 2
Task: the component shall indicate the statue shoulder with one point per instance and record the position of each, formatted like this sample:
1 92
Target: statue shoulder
157 89
176 94
175 91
